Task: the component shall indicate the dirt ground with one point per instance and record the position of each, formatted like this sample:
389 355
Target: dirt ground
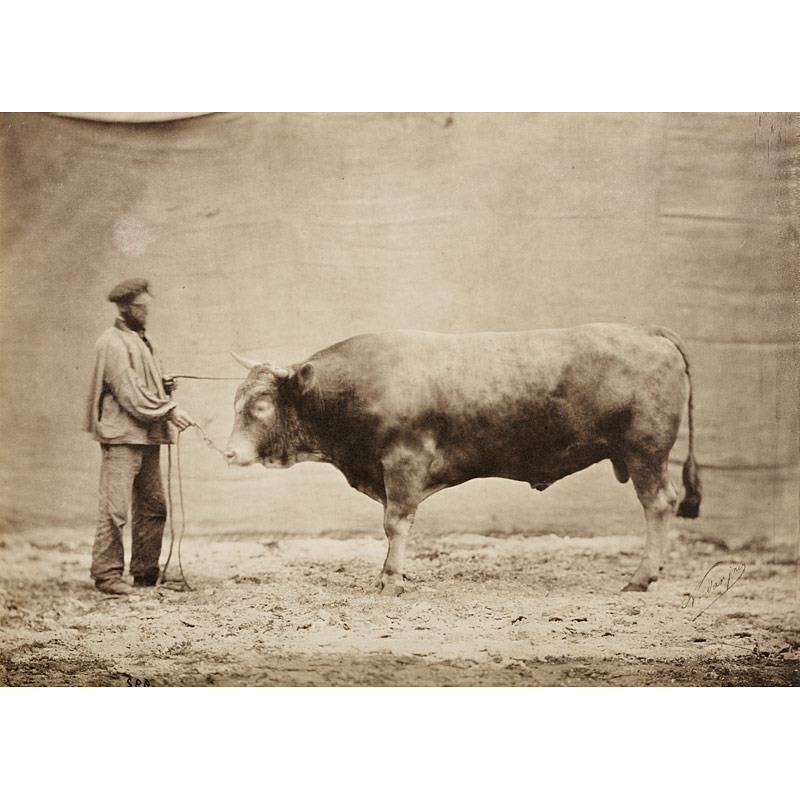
480 610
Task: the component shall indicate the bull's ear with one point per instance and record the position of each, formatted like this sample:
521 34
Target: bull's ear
305 377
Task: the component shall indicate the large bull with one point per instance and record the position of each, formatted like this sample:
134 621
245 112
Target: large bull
407 413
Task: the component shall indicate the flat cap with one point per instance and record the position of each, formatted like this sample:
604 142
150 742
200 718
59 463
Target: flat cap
125 292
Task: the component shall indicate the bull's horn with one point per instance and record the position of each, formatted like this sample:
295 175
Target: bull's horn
245 362
278 372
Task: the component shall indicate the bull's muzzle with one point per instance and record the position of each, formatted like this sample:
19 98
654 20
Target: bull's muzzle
237 457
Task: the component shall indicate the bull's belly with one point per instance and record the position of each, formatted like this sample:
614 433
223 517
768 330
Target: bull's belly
540 469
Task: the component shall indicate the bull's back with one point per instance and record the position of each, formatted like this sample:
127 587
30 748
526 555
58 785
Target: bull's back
400 374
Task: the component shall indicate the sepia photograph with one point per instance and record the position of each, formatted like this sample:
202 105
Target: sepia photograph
408 399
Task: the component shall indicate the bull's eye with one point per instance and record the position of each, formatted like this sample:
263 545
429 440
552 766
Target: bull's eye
262 410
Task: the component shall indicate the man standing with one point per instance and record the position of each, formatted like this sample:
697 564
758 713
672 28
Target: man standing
129 410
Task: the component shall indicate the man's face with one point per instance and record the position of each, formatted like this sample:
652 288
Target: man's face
135 312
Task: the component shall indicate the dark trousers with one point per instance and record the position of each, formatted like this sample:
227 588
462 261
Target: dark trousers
130 481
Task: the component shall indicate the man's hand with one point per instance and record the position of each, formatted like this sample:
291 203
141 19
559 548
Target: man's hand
170 383
180 419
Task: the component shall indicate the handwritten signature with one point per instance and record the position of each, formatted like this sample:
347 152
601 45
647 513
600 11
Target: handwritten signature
719 579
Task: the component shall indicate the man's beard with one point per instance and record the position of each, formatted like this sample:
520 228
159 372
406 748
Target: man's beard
131 321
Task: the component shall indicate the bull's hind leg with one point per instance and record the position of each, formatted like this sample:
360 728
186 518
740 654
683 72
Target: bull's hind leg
404 474
658 498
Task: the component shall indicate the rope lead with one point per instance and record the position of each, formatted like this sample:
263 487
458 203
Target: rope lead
162 575
170 505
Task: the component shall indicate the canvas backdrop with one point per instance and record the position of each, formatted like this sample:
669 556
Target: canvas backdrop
275 235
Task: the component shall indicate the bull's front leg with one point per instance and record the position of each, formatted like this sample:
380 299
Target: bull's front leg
397 522
404 474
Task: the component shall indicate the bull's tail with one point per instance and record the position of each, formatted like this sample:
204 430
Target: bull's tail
690 503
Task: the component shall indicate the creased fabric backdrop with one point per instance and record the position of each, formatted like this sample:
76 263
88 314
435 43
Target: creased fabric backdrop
277 234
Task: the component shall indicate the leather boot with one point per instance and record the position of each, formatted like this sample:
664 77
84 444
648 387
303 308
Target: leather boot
113 585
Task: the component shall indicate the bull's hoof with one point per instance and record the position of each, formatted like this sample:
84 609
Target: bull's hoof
634 587
392 590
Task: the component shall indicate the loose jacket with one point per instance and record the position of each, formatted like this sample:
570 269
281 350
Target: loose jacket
127 403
